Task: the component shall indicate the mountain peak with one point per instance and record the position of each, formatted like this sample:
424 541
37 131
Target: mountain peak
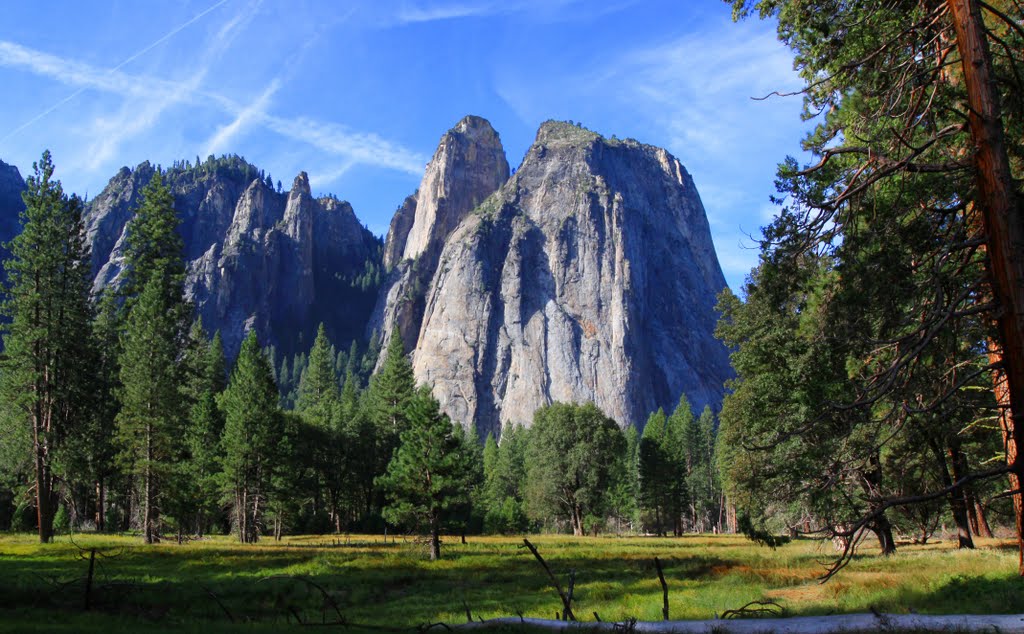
301 185
565 132
473 125
597 285
468 166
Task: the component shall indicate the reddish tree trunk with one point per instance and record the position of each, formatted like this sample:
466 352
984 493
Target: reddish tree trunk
1004 231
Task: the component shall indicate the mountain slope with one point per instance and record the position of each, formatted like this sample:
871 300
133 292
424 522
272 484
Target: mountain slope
589 276
467 167
11 205
257 258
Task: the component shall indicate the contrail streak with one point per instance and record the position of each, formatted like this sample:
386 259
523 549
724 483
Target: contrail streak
130 59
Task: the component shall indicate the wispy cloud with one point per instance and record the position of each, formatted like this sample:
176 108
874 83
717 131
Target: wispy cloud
139 114
693 95
147 98
412 14
360 147
325 178
47 65
422 12
249 115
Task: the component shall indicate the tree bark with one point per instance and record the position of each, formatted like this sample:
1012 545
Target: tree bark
955 498
984 529
577 521
958 499
1004 231
147 510
435 538
100 503
882 529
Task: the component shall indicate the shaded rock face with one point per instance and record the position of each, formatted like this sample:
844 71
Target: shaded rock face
256 258
589 276
467 167
11 204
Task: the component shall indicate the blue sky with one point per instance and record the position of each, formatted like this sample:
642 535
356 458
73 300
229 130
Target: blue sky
357 94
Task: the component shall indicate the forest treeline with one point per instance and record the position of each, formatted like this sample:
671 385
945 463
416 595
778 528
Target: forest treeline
879 344
120 413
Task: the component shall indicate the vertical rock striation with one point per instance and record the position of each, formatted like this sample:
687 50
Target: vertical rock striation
589 276
256 258
467 167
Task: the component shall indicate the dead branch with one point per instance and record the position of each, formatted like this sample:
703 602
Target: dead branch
664 589
327 597
569 616
219 603
755 609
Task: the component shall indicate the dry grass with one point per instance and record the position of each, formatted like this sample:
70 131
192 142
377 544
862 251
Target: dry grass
170 587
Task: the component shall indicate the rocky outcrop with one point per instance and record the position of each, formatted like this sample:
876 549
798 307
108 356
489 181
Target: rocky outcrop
11 204
256 258
467 167
589 276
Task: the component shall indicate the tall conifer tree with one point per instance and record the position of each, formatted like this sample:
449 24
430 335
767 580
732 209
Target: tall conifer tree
44 373
253 430
151 423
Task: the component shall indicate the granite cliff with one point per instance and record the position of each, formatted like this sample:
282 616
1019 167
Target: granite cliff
590 275
587 275
11 205
468 166
279 262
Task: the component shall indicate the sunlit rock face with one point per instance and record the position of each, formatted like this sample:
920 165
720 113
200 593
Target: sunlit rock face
468 166
590 275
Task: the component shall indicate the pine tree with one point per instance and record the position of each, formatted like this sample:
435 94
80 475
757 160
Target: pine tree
151 423
370 357
153 245
318 387
352 363
654 470
44 372
204 363
430 473
253 430
317 404
468 515
388 398
625 489
359 438
704 487
106 330
680 449
504 482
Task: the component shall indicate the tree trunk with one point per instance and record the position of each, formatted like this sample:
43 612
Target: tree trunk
957 507
883 530
100 503
577 521
984 529
44 481
242 501
972 510
435 538
1004 231
958 499
148 518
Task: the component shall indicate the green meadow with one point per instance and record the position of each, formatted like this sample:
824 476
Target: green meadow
216 584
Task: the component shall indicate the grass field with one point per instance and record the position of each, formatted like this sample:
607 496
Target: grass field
196 586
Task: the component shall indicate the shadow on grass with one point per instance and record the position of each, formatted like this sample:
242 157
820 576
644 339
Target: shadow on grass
380 586
977 595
